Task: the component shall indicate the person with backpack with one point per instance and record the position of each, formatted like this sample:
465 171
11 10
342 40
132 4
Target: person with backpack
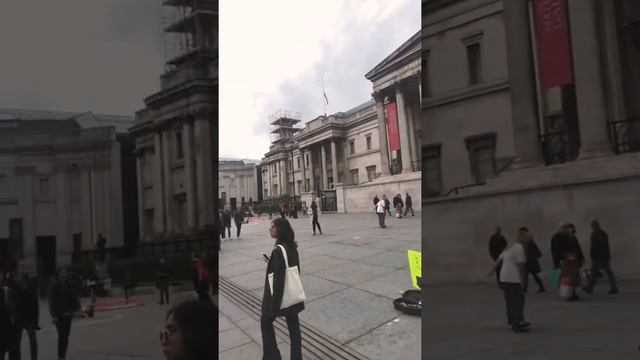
238 218
285 253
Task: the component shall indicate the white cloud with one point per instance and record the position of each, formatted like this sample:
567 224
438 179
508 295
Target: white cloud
273 55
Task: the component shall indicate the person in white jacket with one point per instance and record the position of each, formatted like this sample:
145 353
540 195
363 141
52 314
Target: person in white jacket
380 210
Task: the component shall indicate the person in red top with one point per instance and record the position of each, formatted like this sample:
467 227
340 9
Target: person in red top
201 279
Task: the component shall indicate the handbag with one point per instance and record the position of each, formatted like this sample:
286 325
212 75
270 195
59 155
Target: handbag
293 292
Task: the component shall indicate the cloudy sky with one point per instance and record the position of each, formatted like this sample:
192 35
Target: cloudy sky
78 55
274 55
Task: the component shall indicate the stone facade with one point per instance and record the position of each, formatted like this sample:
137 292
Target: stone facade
63 177
498 149
175 133
347 155
237 183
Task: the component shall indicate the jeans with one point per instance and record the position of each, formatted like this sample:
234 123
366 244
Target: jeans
228 230
238 227
406 211
606 267
536 277
63 325
381 219
514 298
269 344
315 223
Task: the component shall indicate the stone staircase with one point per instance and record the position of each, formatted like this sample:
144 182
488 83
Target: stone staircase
577 172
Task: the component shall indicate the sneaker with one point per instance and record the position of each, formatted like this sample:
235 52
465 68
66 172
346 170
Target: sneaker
519 329
524 324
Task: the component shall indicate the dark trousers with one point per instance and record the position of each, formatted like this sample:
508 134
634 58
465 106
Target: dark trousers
229 230
63 325
514 298
315 223
12 343
388 210
406 211
269 344
498 275
537 279
30 328
238 227
381 219
222 232
596 269
164 293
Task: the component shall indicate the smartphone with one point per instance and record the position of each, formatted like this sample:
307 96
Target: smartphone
265 257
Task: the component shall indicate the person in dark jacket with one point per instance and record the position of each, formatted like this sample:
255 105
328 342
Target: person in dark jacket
227 222
10 303
398 204
376 200
600 259
314 217
497 244
387 204
162 282
221 227
568 257
408 203
532 266
283 234
63 304
5 318
28 309
238 218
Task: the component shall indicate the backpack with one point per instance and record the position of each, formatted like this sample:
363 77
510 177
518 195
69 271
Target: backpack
410 303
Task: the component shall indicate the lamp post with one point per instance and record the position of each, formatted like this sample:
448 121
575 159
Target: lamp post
293 175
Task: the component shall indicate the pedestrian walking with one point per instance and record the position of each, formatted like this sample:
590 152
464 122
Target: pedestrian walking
190 332
512 263
408 203
497 244
381 212
201 280
12 329
239 220
129 284
28 310
532 266
272 308
162 282
398 205
305 209
282 210
221 227
568 258
387 204
227 222
5 317
314 211
600 259
211 266
63 304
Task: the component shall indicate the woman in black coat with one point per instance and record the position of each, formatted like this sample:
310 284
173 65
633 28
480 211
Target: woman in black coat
532 266
282 232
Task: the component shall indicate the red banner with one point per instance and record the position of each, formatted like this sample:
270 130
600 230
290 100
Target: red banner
392 126
552 42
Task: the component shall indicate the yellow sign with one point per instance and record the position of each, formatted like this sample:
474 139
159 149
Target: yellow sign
415 266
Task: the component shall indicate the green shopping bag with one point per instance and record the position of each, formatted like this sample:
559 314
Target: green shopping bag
555 278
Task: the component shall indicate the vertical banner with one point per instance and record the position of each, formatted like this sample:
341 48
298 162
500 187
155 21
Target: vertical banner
392 126
553 43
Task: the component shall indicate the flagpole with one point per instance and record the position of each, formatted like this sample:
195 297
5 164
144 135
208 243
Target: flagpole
324 103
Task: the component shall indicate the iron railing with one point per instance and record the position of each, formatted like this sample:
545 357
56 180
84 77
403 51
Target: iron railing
416 165
626 135
456 189
557 148
395 169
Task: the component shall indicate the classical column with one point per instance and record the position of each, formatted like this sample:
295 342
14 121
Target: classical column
304 171
140 153
62 220
403 129
323 168
334 162
524 115
312 178
592 114
345 154
166 175
382 133
189 175
27 211
270 180
204 168
158 185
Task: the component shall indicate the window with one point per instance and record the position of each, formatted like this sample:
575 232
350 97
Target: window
180 212
352 147
431 171
43 189
424 73
298 162
306 157
368 142
371 172
482 157
148 222
299 184
179 149
473 63
307 185
275 169
354 176
224 197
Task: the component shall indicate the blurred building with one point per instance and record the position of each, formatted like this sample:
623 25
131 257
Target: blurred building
237 183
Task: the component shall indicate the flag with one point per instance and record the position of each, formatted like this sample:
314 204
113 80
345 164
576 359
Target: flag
325 96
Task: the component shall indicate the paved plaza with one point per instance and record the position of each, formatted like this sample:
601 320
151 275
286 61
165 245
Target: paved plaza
351 274
466 322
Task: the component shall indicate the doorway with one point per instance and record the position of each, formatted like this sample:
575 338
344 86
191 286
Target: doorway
46 261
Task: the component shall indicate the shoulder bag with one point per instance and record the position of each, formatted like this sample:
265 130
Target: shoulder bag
293 292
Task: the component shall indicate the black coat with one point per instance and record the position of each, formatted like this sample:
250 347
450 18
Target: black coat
63 300
5 324
226 218
497 244
397 201
408 201
375 201
276 265
562 245
533 254
600 252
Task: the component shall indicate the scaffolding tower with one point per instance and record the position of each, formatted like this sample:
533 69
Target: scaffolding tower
283 124
190 31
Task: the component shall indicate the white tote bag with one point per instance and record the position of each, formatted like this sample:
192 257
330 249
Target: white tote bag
293 292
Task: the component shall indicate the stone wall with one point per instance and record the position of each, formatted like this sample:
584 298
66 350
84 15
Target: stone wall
456 232
359 199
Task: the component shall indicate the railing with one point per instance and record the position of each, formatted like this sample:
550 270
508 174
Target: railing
416 165
395 169
626 135
557 149
456 189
